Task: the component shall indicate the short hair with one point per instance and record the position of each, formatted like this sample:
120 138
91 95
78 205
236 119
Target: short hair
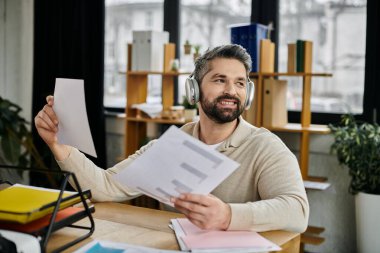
232 51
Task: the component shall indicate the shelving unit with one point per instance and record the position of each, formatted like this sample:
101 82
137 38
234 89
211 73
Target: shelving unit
136 94
137 91
136 126
304 128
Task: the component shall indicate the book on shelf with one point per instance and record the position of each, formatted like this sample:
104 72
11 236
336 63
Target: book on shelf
304 56
249 37
267 51
308 56
192 238
256 32
300 47
292 56
275 113
23 204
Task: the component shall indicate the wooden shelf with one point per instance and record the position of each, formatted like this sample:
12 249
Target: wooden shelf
311 235
316 179
144 73
298 128
157 120
314 230
311 239
290 74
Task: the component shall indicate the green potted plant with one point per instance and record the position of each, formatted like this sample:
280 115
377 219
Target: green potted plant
16 144
190 110
197 52
357 146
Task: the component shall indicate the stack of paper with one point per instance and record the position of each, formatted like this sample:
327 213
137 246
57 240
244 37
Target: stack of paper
148 50
316 185
190 237
152 110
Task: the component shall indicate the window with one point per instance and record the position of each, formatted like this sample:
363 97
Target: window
206 23
122 17
338 31
148 19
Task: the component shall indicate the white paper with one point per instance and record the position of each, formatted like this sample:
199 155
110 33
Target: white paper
70 107
177 163
152 110
24 242
108 246
179 233
316 185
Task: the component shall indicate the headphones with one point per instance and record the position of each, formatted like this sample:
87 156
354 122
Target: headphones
192 91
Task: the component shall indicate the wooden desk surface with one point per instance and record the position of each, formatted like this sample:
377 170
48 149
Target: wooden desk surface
145 227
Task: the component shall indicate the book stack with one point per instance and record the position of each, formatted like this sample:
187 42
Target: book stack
191 238
249 37
300 56
29 209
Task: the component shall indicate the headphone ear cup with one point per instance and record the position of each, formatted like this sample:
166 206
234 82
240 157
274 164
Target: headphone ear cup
250 95
192 90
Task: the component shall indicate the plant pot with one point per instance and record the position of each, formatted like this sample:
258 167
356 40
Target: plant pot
190 114
187 49
367 207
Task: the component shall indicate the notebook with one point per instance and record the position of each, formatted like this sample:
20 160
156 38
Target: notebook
192 238
22 203
39 226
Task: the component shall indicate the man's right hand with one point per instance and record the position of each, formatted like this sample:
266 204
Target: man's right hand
46 123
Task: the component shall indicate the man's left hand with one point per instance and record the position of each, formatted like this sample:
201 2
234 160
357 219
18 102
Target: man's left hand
204 211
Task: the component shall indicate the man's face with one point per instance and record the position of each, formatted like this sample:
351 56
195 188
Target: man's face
223 90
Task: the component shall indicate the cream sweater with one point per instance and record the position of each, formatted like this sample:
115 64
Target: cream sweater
265 193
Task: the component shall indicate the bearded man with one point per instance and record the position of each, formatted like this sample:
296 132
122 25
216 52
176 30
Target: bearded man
265 193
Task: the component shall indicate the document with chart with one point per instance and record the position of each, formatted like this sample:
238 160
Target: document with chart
177 163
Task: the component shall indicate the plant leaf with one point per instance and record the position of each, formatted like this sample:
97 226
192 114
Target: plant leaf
11 148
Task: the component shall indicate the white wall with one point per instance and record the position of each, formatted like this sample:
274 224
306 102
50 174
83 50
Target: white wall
16 53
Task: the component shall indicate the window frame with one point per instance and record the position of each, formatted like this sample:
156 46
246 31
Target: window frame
266 11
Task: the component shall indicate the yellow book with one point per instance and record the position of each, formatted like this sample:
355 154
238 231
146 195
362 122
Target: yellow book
308 56
22 204
267 49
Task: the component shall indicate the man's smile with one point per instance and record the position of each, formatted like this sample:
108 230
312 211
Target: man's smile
228 103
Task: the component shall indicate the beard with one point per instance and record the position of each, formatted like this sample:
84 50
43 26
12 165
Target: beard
221 115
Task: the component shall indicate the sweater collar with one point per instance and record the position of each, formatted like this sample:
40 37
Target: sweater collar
235 139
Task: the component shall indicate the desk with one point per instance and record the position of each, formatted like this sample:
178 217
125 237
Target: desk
145 227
